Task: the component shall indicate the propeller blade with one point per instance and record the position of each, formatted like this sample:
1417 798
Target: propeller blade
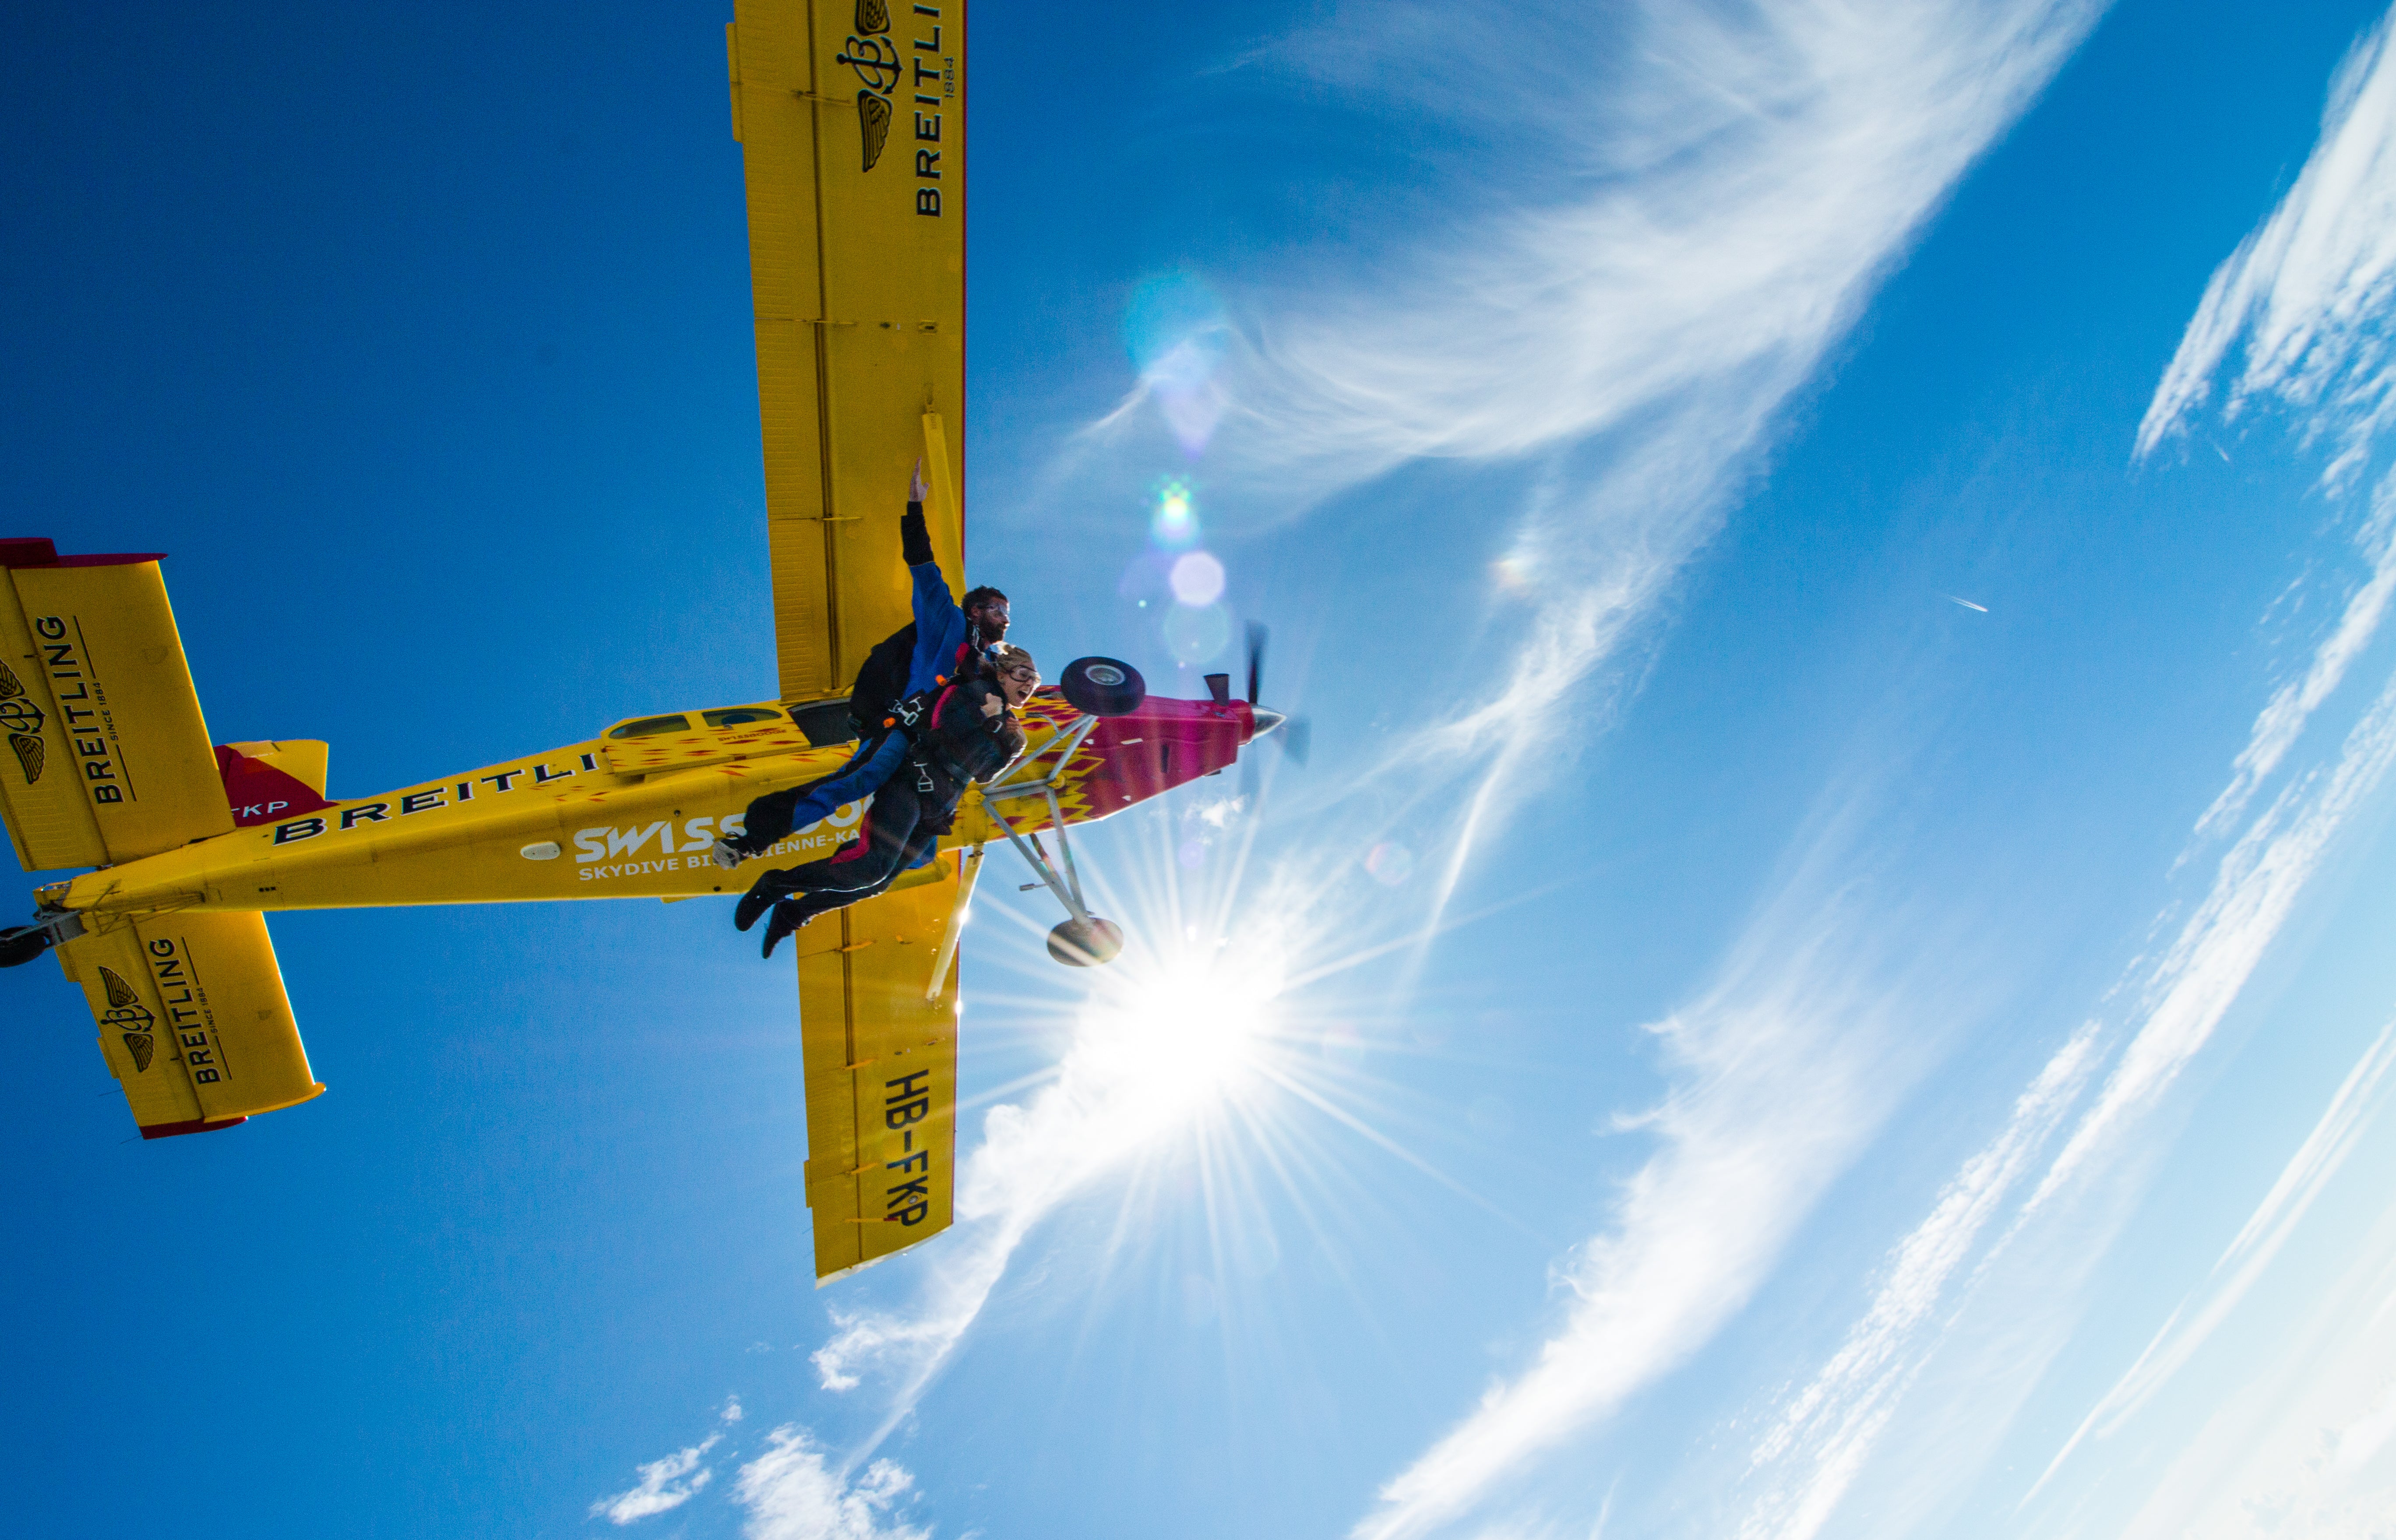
1293 736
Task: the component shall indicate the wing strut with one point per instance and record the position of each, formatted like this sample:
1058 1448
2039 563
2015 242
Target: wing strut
968 868
944 490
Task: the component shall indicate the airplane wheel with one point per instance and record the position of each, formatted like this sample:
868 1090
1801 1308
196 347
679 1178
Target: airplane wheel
1079 946
1103 686
22 944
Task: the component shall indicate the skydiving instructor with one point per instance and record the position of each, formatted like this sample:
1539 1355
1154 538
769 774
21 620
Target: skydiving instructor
950 722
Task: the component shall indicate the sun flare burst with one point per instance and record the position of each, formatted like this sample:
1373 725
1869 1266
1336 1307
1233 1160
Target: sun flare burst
1190 1104
1182 1024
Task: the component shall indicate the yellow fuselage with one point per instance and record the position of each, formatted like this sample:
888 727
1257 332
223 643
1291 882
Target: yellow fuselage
610 817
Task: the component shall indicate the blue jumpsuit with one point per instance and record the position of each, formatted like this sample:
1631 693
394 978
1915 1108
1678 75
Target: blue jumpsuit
941 633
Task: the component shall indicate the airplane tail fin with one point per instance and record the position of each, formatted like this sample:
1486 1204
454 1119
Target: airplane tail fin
192 1020
268 782
108 758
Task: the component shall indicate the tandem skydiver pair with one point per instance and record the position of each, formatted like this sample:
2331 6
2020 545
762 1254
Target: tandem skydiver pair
945 721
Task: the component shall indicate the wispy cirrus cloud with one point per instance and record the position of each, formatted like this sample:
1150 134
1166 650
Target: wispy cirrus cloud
2308 295
1773 165
2210 960
1725 187
2325 1150
2311 297
1822 1435
2276 730
1701 201
2310 300
1780 1074
2310 1439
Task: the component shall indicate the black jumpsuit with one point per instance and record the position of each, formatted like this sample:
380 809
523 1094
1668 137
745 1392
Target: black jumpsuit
968 734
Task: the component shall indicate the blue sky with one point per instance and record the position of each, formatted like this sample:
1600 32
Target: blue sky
1826 975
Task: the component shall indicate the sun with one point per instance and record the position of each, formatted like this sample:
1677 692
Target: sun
1180 1026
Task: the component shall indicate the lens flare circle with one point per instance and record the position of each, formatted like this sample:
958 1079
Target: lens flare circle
1198 578
1196 636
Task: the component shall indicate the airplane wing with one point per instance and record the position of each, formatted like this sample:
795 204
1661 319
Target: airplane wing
881 1072
850 114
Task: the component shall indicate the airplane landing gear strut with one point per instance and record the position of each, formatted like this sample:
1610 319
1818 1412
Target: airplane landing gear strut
1084 940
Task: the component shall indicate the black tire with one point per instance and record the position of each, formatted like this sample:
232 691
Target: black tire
1103 686
1091 946
22 944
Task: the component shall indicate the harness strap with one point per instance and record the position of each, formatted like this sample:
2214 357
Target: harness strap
909 712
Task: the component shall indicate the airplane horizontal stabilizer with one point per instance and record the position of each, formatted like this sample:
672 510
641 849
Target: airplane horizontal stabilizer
193 1021
108 757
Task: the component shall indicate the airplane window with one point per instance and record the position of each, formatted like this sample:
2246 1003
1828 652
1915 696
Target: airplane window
740 716
651 726
825 723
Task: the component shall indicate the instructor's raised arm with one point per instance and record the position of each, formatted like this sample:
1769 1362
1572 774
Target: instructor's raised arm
914 538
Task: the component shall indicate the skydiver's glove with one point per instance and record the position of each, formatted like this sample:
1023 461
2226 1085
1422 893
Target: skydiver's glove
914 539
727 854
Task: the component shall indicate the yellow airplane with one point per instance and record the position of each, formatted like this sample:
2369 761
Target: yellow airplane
851 125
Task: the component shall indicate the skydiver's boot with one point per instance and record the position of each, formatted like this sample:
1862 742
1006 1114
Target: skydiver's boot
790 915
757 900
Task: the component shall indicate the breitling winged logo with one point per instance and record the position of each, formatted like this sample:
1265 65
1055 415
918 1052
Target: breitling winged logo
23 721
119 991
873 121
875 60
874 112
126 1013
